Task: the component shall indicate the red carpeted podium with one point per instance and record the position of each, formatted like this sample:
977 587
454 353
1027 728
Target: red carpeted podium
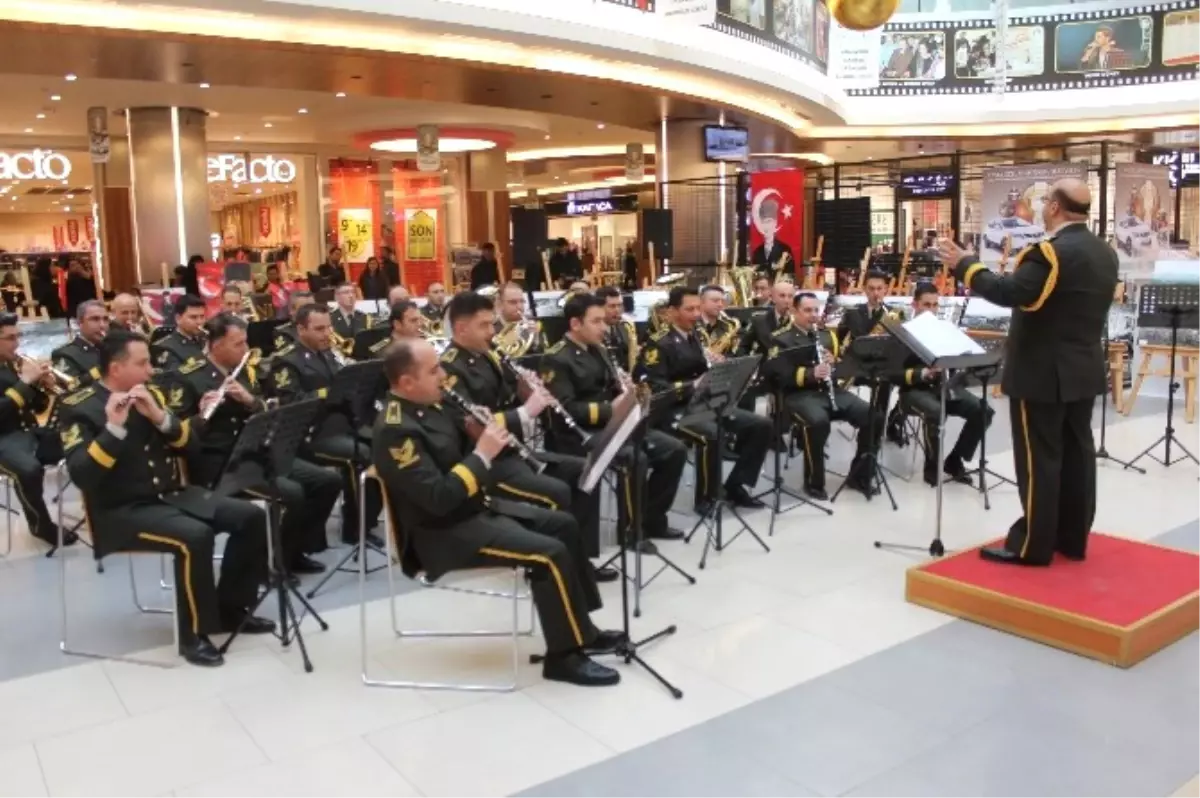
1126 601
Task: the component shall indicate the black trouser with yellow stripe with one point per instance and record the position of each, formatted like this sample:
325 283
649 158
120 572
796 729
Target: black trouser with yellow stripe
556 488
160 527
19 462
753 434
349 456
928 405
1055 459
812 408
548 543
664 457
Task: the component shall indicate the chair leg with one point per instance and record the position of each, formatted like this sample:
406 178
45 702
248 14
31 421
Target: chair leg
137 601
8 516
1143 370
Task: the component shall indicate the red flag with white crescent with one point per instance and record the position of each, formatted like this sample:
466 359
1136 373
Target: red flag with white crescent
776 219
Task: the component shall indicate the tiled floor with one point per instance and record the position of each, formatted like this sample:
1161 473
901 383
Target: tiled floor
804 673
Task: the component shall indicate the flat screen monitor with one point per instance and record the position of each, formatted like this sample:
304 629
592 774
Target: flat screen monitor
726 143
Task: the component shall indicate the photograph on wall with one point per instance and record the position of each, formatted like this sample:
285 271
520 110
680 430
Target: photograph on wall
912 55
794 23
1012 198
1181 37
821 32
1105 45
1141 213
750 12
976 50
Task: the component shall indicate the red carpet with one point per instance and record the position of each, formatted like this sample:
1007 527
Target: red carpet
1126 601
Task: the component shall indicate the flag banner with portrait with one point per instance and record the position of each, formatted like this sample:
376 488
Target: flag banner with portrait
1011 199
1141 215
1130 46
776 220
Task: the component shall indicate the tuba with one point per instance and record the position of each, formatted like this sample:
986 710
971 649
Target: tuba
516 338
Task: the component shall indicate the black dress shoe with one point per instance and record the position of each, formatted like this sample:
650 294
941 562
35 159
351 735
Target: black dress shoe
738 496
1003 555
953 468
200 651
606 642
1072 557
576 668
254 625
665 533
702 507
303 564
648 547
605 574
816 493
372 540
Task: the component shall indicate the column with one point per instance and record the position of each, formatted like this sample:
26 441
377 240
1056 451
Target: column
309 202
700 213
168 177
488 203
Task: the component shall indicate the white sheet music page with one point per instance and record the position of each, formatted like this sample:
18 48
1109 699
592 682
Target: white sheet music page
941 338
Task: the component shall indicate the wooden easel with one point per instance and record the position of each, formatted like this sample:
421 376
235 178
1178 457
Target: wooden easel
899 286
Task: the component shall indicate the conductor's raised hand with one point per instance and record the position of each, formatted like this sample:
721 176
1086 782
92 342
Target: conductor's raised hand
951 253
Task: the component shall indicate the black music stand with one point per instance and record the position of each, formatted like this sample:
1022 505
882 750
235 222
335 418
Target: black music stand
657 412
779 370
869 359
352 393
719 391
1169 306
1102 450
271 439
982 374
946 362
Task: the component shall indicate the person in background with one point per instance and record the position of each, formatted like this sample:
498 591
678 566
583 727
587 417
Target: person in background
331 273
391 267
565 267
186 342
278 291
191 277
127 314
762 291
79 358
43 284
397 293
81 286
373 282
629 268
487 270
435 303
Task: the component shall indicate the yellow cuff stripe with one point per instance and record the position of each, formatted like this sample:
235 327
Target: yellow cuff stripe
322 393
100 456
800 372
468 479
499 417
15 395
908 376
1051 278
834 345
972 270
185 429
593 414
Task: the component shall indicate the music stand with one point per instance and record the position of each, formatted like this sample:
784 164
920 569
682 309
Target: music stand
869 359
270 439
778 371
260 335
936 348
1102 450
982 375
719 391
352 393
1173 306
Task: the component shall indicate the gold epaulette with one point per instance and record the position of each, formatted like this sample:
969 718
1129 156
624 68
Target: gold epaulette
190 366
556 348
658 336
380 345
781 330
449 355
77 397
287 350
394 414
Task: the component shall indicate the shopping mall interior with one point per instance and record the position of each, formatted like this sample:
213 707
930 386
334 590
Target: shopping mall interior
795 641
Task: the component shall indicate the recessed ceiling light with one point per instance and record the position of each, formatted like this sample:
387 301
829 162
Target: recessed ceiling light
71 77
55 98
70 196
28 130
41 116
303 111
444 145
14 199
55 202
67 209
600 126
340 94
237 138
204 85
267 124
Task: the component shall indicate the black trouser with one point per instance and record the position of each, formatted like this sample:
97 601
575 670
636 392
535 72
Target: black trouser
19 462
665 457
1055 459
160 527
815 413
556 488
927 404
308 494
753 440
549 544
349 456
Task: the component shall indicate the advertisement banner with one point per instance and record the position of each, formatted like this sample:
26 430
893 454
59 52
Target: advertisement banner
1076 50
73 231
797 28
853 57
429 159
1011 200
59 238
635 163
1142 214
264 220
98 140
776 219
686 12
356 234
420 234
90 227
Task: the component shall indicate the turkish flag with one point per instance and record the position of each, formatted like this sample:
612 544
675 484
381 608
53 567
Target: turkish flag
777 220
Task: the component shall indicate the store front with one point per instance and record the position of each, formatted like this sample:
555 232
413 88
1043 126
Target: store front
598 222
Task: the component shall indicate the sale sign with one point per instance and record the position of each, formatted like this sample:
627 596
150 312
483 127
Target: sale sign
420 240
776 220
355 233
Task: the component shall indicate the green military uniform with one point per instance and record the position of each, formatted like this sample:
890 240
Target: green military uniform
175 349
807 399
298 372
858 322
350 324
79 359
673 360
1060 293
433 313
285 335
537 341
445 514
308 492
23 456
584 383
136 500
756 338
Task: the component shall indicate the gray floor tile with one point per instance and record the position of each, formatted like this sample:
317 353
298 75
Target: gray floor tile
1185 537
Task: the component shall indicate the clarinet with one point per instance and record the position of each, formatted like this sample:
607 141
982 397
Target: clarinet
535 383
816 337
483 416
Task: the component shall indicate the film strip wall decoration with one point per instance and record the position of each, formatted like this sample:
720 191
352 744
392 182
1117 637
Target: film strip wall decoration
1135 45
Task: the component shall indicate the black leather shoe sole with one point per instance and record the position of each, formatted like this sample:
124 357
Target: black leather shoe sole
606 574
579 671
202 653
606 642
307 565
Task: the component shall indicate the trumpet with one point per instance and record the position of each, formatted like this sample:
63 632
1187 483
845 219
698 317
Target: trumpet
63 383
535 383
484 416
341 347
208 413
821 353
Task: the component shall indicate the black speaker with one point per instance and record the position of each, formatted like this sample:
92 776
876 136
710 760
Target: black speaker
657 228
846 225
529 233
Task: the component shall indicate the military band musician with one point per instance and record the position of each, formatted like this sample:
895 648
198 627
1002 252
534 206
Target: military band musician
126 310
79 358
186 341
347 320
862 320
286 333
434 308
621 339
757 337
510 317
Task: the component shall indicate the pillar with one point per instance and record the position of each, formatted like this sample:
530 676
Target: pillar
488 203
309 199
168 171
696 210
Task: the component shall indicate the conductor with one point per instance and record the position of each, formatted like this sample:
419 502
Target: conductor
1060 291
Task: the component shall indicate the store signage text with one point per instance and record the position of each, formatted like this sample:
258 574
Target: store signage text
618 204
34 165
236 169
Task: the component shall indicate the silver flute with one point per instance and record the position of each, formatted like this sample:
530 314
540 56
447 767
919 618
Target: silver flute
534 382
821 352
484 417
208 413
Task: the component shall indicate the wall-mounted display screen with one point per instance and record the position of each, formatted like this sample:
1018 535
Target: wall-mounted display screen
726 143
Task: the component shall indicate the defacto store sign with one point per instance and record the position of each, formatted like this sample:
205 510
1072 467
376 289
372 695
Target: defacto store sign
34 165
236 169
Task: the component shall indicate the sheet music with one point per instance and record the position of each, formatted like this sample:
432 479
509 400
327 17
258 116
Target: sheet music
591 476
941 338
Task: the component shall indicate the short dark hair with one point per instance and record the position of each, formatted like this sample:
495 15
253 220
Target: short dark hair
711 287
114 347
607 292
231 289
760 276
87 305
487 246
796 300
676 295
577 306
220 325
271 266
398 359
307 311
876 274
922 289
400 308
9 319
187 302
466 304
292 297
